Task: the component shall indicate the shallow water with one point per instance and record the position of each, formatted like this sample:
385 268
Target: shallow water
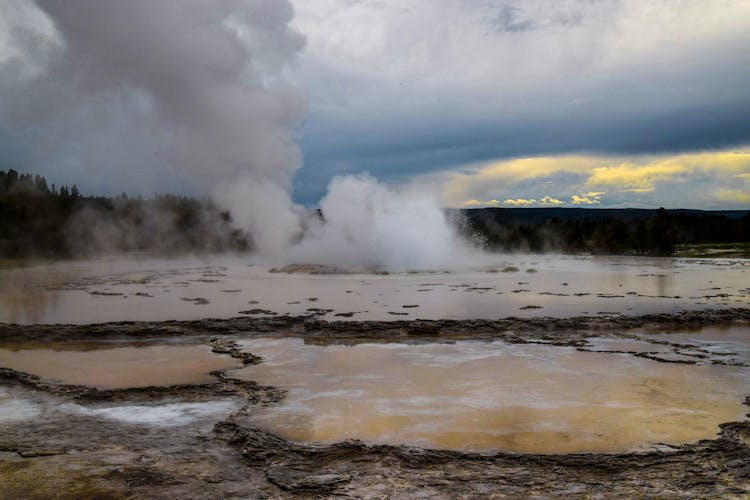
730 344
626 345
15 409
158 415
470 395
106 367
153 290
487 396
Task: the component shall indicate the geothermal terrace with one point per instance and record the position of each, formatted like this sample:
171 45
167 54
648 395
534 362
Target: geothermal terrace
527 375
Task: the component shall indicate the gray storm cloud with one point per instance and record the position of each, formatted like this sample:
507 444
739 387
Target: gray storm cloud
452 83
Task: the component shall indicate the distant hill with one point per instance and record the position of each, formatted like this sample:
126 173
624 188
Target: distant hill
602 230
537 215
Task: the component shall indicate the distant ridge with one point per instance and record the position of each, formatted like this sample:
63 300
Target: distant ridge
540 214
640 231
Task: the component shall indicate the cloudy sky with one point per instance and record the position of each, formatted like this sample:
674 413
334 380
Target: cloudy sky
602 103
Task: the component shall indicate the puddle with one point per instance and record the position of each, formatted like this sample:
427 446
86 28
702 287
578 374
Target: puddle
488 396
107 367
625 345
728 344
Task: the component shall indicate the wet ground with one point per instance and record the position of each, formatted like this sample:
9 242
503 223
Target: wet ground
483 396
218 439
525 286
114 365
296 397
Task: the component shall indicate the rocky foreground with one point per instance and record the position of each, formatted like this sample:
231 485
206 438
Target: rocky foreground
81 455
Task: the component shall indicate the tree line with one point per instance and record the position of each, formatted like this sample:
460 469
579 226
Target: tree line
602 231
42 220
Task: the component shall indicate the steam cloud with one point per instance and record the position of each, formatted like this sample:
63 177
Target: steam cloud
199 85
370 225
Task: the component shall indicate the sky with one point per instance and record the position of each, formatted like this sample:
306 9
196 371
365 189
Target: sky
572 103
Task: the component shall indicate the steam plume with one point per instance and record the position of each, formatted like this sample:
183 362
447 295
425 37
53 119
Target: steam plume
370 225
201 68
199 86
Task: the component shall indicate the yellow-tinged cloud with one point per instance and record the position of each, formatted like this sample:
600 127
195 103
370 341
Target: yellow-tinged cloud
732 195
550 201
590 198
636 174
459 184
547 201
478 203
636 178
519 202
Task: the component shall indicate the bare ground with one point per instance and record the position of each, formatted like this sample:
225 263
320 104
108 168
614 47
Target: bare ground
77 456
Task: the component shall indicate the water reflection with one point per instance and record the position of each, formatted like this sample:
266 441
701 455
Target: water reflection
168 289
108 367
22 298
479 396
664 285
727 343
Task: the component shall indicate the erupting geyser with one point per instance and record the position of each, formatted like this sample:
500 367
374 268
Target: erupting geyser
368 224
198 88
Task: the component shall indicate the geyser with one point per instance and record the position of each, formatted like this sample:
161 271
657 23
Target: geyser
367 224
198 88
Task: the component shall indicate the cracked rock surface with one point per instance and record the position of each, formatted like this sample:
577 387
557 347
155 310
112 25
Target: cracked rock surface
74 441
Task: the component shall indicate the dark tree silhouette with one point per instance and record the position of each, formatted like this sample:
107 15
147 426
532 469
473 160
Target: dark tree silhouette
38 221
602 231
59 222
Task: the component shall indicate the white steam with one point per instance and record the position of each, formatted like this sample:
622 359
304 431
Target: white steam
368 225
194 86
266 210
